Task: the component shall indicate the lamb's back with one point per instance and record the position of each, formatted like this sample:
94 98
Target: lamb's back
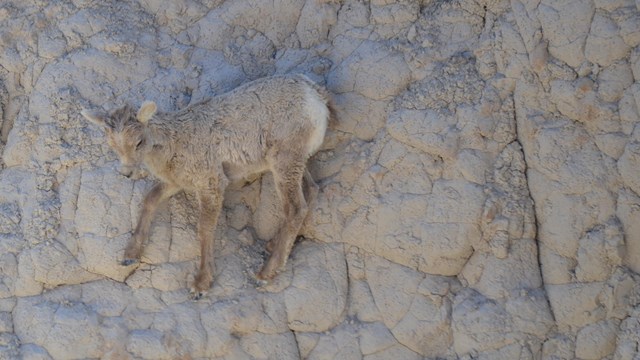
241 126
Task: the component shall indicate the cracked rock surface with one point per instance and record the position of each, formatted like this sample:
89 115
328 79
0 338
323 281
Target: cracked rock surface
479 194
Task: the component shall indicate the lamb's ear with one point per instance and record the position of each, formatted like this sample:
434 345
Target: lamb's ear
146 112
95 117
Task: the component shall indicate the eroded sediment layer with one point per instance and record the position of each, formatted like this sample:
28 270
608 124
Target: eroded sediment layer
479 193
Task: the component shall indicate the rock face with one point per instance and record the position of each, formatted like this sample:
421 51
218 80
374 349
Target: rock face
479 194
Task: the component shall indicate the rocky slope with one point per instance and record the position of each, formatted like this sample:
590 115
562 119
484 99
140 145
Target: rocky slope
480 195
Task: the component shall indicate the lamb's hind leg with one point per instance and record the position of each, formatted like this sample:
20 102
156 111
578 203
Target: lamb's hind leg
288 181
152 201
310 191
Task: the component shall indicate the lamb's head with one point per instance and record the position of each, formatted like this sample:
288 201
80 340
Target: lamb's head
125 130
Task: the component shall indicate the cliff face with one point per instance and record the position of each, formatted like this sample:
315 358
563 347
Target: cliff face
480 194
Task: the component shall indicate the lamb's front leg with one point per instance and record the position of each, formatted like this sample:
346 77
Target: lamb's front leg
210 206
152 201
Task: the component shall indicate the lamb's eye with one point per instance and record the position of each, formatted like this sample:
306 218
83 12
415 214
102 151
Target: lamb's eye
139 144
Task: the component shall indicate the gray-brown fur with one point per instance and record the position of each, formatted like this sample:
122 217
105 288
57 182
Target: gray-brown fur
272 124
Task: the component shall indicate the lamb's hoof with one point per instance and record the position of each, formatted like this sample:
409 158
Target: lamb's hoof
197 294
260 283
265 276
127 262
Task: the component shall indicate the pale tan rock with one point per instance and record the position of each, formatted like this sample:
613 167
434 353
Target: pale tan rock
433 234
566 39
392 12
260 346
627 212
16 151
51 44
170 276
539 56
612 144
495 278
107 297
361 302
6 324
451 242
182 242
630 160
613 80
147 344
604 44
576 304
34 352
393 287
73 328
426 327
628 339
26 285
611 5
306 342
354 108
54 265
373 71
559 347
394 352
316 299
103 222
266 219
316 18
446 199
600 250
219 339
9 266
598 340
340 343
425 130
530 312
629 27
478 324
375 337
186 336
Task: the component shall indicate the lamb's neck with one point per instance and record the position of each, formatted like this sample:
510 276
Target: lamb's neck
160 147
158 134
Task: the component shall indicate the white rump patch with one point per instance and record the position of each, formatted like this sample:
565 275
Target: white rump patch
319 115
